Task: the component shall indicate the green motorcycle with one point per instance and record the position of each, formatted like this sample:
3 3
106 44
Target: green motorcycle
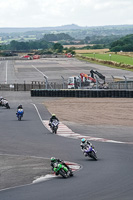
61 169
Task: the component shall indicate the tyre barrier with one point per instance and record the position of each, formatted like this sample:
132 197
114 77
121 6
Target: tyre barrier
82 93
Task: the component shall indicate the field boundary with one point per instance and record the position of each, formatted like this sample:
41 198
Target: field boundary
107 62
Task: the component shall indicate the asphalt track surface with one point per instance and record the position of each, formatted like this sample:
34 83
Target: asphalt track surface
108 178
19 71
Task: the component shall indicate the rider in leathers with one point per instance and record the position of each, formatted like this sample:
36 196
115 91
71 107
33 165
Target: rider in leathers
19 107
84 144
52 119
56 160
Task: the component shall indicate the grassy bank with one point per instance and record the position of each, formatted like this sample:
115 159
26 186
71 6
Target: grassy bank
108 59
111 57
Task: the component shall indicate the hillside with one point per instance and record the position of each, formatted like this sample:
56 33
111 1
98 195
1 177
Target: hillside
123 44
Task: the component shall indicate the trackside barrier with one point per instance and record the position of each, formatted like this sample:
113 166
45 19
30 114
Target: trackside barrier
82 93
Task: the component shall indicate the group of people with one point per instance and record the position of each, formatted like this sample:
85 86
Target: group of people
83 145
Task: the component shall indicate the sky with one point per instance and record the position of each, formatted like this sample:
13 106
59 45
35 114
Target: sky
51 13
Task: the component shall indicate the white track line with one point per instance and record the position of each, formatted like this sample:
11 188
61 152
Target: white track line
64 131
73 166
37 112
39 71
6 72
44 178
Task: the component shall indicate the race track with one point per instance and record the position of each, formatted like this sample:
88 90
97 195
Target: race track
109 178
19 71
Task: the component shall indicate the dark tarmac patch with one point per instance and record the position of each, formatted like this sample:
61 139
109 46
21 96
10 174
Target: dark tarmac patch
18 170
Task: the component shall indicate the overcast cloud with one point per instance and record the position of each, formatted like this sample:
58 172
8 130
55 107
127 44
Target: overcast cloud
46 13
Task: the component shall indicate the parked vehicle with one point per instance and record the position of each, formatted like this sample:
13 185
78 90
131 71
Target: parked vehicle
54 126
61 169
90 151
86 80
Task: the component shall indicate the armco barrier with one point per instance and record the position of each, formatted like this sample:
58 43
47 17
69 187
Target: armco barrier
82 93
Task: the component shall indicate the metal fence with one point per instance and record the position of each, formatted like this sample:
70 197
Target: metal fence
121 85
54 85
35 85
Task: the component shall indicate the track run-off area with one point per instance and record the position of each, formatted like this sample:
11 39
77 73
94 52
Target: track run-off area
26 146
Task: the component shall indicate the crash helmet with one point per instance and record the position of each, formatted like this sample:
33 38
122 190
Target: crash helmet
83 140
20 106
53 159
53 115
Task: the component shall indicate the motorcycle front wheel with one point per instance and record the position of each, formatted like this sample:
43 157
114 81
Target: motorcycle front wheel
7 106
19 118
54 130
93 155
63 173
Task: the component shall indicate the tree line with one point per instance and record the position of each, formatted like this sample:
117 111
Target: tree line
123 44
53 43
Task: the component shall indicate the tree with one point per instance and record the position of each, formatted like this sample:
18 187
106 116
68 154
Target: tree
58 47
57 37
124 44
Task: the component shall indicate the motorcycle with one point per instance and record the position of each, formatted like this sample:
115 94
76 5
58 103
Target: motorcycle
60 168
90 151
4 102
7 105
19 114
54 126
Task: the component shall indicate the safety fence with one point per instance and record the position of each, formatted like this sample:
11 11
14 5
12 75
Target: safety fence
83 93
34 85
61 85
121 85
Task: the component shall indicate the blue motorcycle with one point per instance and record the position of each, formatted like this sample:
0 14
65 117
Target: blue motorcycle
20 113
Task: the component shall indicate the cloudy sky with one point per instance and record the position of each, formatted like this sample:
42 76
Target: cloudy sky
46 13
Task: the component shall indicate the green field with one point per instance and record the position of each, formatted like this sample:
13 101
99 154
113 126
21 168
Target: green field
112 57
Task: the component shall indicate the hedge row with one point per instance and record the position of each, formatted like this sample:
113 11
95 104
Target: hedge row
82 93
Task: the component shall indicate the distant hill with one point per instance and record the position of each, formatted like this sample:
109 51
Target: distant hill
67 27
82 34
64 27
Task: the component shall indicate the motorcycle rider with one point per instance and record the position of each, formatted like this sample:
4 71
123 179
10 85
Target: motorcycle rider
52 118
20 107
56 160
84 144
